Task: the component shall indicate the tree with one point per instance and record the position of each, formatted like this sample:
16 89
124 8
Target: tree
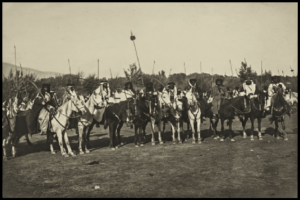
246 71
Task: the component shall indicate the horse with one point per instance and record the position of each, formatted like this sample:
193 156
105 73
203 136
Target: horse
59 121
115 115
291 98
227 111
257 104
279 110
9 113
174 118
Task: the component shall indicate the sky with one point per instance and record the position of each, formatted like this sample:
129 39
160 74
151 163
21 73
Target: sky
46 35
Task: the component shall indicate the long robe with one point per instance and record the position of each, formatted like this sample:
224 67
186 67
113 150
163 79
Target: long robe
217 92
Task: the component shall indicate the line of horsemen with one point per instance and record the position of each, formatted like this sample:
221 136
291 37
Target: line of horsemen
40 114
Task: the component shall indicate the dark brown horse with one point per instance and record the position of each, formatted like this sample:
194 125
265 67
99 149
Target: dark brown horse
228 109
257 112
280 109
115 115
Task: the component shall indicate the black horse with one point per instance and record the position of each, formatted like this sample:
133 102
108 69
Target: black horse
228 109
257 112
280 108
115 115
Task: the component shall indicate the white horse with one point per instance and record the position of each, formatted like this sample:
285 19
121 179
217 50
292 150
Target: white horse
194 114
59 122
8 124
291 97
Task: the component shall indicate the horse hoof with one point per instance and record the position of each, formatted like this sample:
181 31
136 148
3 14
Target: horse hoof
252 139
199 142
153 143
53 153
81 153
194 142
244 136
122 143
286 139
87 151
72 154
174 142
260 138
66 155
161 143
112 149
117 147
277 138
4 158
232 140
136 145
215 138
222 140
141 145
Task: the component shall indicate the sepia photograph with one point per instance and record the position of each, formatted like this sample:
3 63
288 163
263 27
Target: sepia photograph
149 100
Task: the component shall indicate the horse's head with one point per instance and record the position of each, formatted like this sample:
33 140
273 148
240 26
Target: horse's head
78 106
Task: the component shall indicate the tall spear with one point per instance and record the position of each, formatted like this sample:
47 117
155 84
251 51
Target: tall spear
200 76
132 38
231 68
292 71
69 66
212 78
153 67
110 73
16 59
261 72
184 68
170 71
98 68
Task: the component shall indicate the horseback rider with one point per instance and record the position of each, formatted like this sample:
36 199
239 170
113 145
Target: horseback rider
218 92
276 88
129 91
235 92
69 93
172 91
41 101
149 90
193 88
250 89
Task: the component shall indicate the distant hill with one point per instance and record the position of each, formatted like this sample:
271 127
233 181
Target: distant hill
6 67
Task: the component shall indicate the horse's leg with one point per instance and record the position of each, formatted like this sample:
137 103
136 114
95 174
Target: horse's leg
252 127
276 130
259 128
214 126
80 133
164 127
112 130
173 132
178 131
159 132
230 130
118 133
90 129
193 130
60 142
244 121
68 144
135 134
85 139
198 129
283 130
152 121
140 136
222 130
188 129
50 140
144 133
4 149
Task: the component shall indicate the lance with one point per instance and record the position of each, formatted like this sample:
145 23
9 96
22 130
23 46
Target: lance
184 68
110 74
159 82
292 70
261 71
212 78
37 89
153 67
200 76
69 66
170 71
16 59
282 73
132 38
98 68
278 72
231 68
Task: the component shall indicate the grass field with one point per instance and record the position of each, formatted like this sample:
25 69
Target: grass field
243 168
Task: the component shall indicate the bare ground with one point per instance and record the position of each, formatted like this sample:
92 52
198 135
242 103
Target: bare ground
243 168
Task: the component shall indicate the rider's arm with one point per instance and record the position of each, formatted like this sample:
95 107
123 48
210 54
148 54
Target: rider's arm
270 90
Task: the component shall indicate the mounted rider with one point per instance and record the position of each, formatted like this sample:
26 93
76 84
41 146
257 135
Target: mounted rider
250 89
129 91
193 88
235 92
69 93
171 89
275 88
102 94
218 92
43 100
